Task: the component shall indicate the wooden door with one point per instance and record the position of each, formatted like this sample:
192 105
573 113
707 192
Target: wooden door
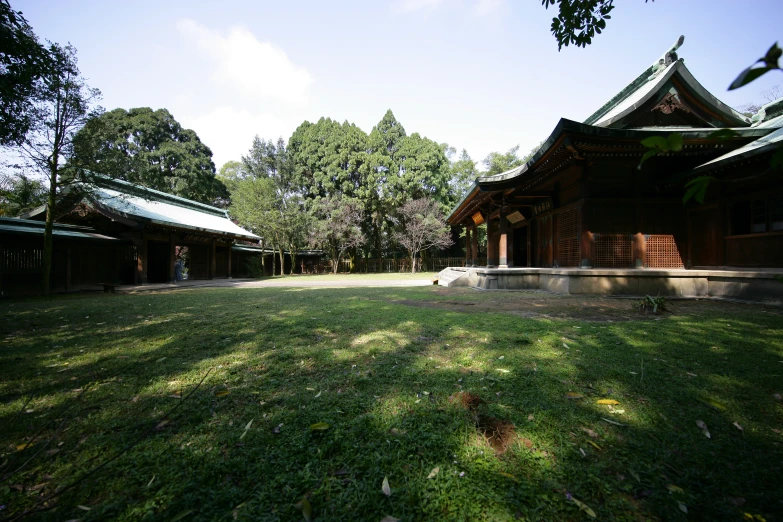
706 237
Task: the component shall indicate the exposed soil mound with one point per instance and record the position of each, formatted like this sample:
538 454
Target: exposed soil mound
467 400
498 433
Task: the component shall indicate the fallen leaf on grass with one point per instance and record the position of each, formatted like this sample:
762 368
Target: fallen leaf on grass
703 427
674 489
161 359
594 444
175 396
634 475
434 472
574 395
389 518
83 508
319 426
530 417
589 432
385 487
161 424
608 401
53 452
612 422
712 403
317 395
737 425
584 507
20 447
683 507
778 396
307 509
221 393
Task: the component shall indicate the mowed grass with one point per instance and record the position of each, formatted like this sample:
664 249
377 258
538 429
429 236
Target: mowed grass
99 401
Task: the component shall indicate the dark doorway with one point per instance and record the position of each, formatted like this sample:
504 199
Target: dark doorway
520 246
706 237
157 262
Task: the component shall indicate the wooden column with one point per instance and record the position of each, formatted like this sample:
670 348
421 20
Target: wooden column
468 258
492 243
474 245
506 242
229 261
587 241
212 259
639 250
141 261
172 256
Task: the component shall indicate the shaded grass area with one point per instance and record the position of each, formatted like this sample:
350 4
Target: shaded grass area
82 379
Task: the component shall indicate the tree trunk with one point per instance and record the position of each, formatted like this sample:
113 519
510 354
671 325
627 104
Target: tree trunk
282 261
413 262
292 255
263 265
335 265
46 262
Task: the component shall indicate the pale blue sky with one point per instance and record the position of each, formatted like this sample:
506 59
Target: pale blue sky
478 74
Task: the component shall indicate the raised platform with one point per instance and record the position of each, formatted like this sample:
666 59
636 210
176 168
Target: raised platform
752 285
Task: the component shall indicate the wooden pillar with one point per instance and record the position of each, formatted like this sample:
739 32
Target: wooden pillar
141 261
506 243
492 243
474 245
639 250
468 257
212 259
529 244
587 241
172 256
229 261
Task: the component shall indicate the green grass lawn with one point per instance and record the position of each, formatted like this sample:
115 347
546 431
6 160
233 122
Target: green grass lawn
101 415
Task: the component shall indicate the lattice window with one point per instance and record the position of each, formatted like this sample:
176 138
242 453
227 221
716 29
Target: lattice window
568 251
613 251
22 259
663 252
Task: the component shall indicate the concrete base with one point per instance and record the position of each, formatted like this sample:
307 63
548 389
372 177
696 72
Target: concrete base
750 285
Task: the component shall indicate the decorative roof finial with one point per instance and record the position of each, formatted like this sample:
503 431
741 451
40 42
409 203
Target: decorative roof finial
668 57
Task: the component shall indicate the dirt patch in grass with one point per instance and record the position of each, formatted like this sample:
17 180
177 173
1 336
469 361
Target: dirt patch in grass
467 400
499 434
542 305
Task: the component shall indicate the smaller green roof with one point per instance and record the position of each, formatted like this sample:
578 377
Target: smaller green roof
29 226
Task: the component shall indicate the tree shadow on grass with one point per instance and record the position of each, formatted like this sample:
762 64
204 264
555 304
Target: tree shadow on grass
381 374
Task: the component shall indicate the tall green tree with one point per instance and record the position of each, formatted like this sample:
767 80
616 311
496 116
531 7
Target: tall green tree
64 104
149 148
463 174
254 206
20 193
24 62
288 219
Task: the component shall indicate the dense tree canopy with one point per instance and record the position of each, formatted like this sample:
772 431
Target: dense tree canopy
149 148
23 63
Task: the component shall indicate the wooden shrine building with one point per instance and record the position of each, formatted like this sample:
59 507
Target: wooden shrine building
112 231
583 201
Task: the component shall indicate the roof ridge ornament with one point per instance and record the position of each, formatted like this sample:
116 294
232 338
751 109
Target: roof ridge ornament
668 57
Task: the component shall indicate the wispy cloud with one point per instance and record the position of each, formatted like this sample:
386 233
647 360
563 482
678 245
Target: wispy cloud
253 67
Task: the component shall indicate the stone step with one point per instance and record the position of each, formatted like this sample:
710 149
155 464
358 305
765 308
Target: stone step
449 277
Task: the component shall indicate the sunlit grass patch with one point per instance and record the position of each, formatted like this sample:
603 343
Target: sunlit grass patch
206 402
